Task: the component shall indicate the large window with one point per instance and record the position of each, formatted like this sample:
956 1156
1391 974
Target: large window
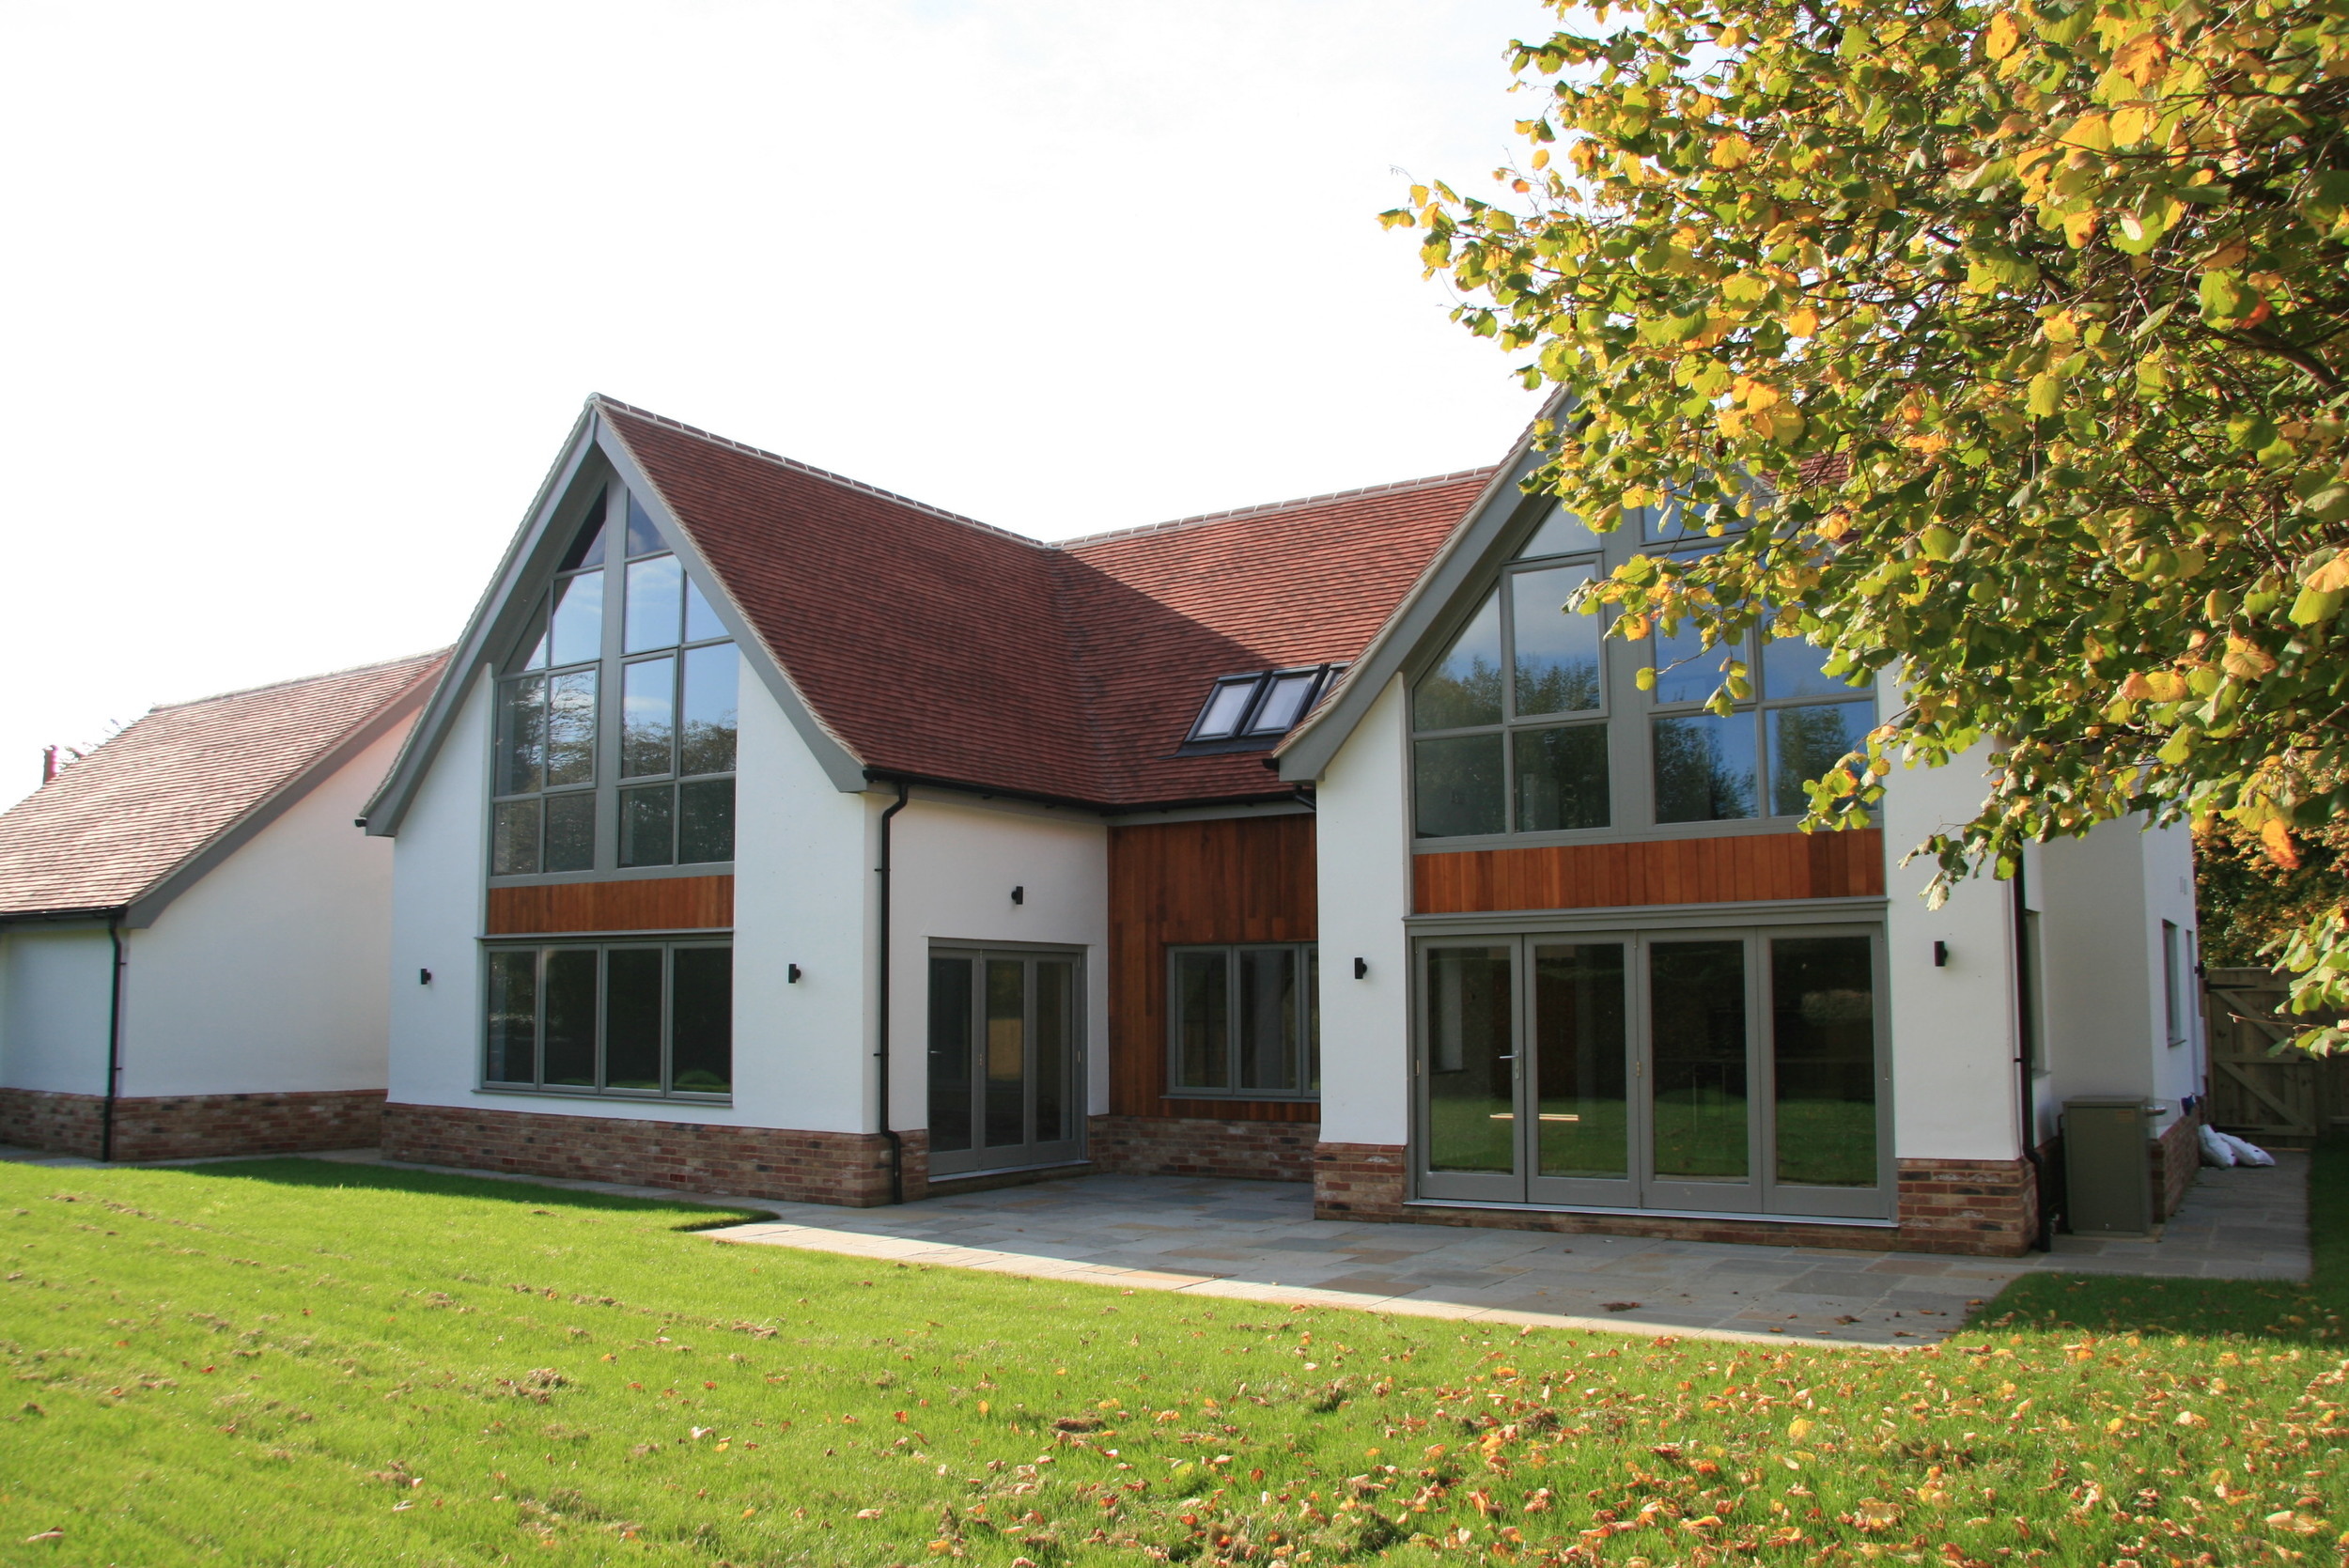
1760 758
1525 724
615 730
651 1019
1512 720
1244 1021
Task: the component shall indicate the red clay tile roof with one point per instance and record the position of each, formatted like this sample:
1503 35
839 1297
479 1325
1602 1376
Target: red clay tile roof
112 826
940 648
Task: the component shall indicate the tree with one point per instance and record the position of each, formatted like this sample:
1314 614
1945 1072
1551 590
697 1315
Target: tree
2018 325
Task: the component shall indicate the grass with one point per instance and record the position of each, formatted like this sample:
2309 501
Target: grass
295 1362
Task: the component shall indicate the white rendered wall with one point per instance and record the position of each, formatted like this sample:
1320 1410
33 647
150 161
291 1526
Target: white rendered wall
437 876
955 864
2104 898
801 1052
1954 1090
1363 854
803 885
56 995
269 973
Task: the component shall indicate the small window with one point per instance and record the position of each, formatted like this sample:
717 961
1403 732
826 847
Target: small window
639 1021
2177 972
1243 1022
1244 712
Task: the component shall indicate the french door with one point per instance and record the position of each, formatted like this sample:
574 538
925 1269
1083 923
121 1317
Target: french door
1707 1071
1005 1057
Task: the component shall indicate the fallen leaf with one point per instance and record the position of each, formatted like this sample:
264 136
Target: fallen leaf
45 1535
868 1513
1621 1305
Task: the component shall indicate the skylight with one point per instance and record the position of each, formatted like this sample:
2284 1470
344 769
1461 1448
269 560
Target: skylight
1255 709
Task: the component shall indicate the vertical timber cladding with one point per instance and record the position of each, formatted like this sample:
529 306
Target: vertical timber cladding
650 904
1738 868
1233 879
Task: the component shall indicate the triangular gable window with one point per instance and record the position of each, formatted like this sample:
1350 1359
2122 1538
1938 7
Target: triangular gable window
615 734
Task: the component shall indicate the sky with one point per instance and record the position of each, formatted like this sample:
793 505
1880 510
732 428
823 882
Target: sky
298 301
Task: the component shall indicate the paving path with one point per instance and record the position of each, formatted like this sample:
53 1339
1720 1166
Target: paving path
1258 1241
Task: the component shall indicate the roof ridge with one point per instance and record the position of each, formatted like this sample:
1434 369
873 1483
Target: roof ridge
301 680
796 466
1265 508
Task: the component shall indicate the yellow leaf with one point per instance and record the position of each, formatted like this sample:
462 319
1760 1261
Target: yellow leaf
2003 37
2332 577
1541 158
2092 131
1732 152
2079 229
2245 660
1802 321
2275 838
1799 1428
2142 59
2129 125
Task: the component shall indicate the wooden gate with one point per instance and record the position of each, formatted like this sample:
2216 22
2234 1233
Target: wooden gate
2277 1097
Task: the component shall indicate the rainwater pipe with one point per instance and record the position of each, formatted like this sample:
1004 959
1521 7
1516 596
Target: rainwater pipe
881 1050
113 1044
2027 1046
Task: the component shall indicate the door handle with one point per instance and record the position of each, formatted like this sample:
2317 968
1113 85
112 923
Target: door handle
1511 1057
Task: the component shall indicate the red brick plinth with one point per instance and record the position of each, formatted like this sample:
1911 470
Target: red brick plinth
850 1169
1204 1146
2177 1159
192 1126
1976 1206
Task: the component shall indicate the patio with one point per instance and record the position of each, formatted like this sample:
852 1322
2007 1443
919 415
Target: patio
1258 1241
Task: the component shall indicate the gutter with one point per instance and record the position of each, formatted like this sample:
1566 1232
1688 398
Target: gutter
880 1049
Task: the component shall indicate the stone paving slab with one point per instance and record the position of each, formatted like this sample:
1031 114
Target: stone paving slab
1258 1241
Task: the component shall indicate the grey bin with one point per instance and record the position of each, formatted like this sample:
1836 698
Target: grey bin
2108 1188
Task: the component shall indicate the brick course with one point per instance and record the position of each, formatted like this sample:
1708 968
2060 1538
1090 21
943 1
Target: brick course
192 1126
1978 1207
1204 1146
846 1168
2176 1159
54 1124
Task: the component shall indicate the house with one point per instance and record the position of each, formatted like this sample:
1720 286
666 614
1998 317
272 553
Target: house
774 835
194 943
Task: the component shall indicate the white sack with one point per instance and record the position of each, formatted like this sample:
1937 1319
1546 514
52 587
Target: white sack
2247 1153
2216 1150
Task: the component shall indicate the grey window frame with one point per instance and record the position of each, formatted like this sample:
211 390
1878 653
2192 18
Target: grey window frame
670 944
1761 1196
2177 967
610 666
1628 711
1308 1022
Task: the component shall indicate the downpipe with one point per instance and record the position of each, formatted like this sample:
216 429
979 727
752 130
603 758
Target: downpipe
881 1050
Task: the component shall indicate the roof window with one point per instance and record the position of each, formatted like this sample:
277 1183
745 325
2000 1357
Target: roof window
1251 711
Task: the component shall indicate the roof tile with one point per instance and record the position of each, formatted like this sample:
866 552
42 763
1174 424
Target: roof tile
114 824
946 649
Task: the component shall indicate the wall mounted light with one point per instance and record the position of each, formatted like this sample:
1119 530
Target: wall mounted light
1020 896
790 974
1362 969
423 977
1941 955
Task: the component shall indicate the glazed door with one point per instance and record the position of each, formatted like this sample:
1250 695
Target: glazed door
1719 1072
1005 1056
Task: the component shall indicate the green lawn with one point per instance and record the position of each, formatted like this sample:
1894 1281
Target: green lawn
292 1362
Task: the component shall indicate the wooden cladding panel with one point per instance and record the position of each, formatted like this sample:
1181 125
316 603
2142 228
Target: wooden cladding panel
654 903
1235 879
1735 869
